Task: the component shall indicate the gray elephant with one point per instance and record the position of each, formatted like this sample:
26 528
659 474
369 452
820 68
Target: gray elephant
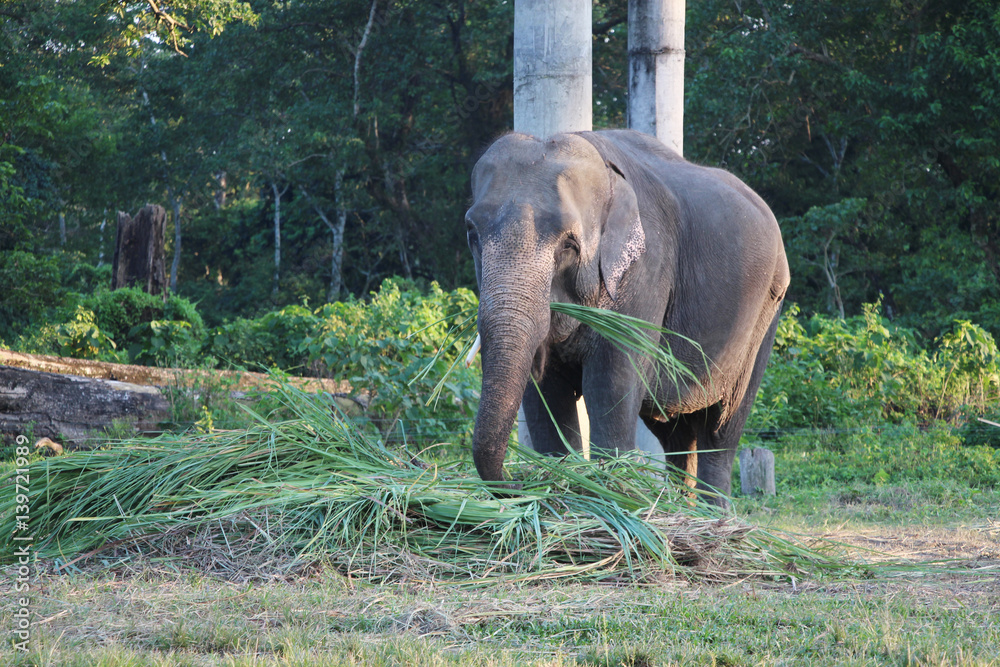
616 220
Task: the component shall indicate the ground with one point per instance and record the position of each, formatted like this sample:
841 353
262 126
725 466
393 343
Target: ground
159 613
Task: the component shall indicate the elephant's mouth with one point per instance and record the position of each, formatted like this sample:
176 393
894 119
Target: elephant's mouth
561 328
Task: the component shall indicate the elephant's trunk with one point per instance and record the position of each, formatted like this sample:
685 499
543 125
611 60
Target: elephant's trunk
512 329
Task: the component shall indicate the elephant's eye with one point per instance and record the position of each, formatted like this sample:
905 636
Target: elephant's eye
569 249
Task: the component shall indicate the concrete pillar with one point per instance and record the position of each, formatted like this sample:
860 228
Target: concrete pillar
553 88
656 69
553 84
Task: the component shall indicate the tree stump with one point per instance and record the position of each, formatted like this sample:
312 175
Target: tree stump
139 251
757 472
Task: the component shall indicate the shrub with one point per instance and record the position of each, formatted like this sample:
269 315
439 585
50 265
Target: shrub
125 325
382 346
828 372
152 331
271 341
31 288
120 311
883 456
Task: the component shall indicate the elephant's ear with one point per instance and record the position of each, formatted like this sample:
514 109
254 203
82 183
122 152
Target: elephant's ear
622 240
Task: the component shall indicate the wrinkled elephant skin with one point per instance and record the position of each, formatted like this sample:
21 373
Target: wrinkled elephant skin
616 220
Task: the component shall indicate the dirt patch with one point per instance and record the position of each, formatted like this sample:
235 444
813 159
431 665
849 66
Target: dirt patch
971 545
953 567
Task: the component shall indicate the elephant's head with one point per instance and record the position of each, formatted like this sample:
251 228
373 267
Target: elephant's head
550 221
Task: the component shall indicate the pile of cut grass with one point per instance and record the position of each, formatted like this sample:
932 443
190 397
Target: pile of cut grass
311 487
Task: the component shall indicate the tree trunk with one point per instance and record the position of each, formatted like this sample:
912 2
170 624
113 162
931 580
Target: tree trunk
553 88
100 239
395 189
71 409
220 195
277 234
175 204
656 70
337 230
139 251
357 58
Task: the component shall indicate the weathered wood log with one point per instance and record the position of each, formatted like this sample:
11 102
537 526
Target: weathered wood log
757 472
161 377
92 394
70 408
139 259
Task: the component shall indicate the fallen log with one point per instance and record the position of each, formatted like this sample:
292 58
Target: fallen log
160 377
73 400
70 408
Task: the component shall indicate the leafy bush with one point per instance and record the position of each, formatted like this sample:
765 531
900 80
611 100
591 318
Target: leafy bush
828 373
31 287
382 346
83 339
271 341
79 337
883 456
125 325
154 332
120 311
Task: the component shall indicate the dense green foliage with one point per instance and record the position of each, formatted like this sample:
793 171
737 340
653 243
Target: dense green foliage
350 127
833 373
393 349
125 325
825 372
872 130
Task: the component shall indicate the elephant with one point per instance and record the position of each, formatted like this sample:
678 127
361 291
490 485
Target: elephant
614 219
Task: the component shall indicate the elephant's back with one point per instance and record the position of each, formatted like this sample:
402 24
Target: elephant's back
729 268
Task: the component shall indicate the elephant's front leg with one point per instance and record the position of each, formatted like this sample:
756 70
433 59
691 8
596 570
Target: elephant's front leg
613 393
551 433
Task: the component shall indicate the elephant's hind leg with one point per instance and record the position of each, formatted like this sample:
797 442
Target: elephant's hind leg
695 443
719 446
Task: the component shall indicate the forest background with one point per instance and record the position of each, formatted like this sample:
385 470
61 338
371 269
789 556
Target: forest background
307 151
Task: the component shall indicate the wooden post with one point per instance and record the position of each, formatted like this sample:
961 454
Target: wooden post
139 251
757 472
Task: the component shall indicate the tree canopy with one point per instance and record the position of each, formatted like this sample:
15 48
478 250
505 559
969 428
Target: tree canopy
306 150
